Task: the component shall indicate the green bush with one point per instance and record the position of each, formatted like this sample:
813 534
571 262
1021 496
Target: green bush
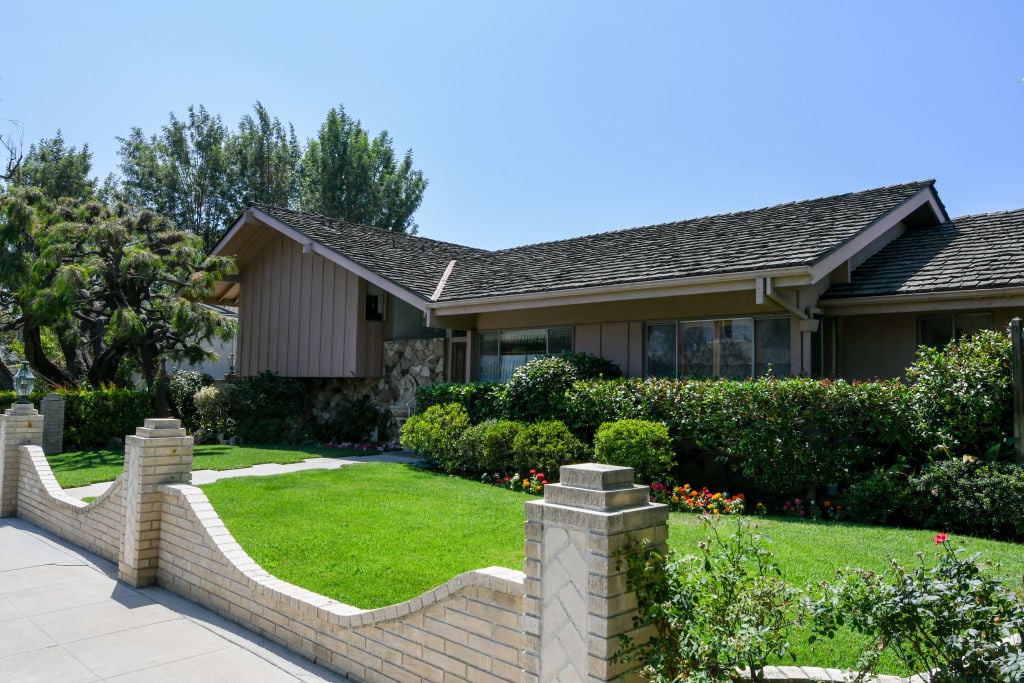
881 498
211 411
783 434
435 433
353 420
536 390
969 497
645 446
266 409
183 386
92 418
952 620
547 445
589 366
488 447
712 614
482 400
962 395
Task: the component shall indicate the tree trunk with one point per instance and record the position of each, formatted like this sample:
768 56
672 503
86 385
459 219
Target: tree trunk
42 366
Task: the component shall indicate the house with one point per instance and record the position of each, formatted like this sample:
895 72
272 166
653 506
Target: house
843 286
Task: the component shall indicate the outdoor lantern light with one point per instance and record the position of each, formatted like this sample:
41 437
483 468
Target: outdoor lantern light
24 381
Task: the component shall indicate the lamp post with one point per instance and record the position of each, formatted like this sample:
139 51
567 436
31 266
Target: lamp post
24 382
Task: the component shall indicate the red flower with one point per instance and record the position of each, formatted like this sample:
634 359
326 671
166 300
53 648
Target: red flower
940 539
533 471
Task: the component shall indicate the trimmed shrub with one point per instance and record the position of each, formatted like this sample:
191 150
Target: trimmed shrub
211 411
435 433
488 447
183 386
354 419
92 418
536 390
962 395
266 409
881 498
589 366
482 400
643 445
547 445
969 497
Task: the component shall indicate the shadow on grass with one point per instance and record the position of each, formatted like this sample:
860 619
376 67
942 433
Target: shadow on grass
84 460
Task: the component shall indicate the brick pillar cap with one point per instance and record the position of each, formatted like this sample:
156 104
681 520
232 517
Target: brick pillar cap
596 477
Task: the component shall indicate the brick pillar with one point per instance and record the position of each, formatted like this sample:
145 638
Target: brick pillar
52 409
158 453
576 604
21 425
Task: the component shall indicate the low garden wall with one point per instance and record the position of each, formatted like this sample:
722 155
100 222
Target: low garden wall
560 620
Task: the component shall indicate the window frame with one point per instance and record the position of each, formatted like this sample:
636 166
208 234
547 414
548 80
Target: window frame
480 334
676 323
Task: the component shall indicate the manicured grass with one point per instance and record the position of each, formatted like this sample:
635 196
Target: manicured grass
373 534
80 468
377 534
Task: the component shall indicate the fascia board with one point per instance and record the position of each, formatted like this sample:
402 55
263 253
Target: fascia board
387 285
926 301
867 236
712 284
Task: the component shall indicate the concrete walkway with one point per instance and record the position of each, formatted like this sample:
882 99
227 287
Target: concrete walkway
65 617
210 476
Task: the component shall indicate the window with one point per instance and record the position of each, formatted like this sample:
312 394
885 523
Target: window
500 353
733 347
939 330
374 302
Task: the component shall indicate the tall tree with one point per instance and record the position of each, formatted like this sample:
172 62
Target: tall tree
56 169
184 174
266 160
109 284
347 175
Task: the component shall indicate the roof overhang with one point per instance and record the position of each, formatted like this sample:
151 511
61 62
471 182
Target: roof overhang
238 236
1003 297
628 291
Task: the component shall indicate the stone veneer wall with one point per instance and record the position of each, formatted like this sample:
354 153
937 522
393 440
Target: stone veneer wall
424 359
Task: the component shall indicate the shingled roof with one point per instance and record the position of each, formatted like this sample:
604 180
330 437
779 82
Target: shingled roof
414 263
786 235
972 252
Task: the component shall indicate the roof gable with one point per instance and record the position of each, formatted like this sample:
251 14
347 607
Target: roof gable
983 251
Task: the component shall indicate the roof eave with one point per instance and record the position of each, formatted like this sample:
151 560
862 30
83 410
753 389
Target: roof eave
705 284
910 302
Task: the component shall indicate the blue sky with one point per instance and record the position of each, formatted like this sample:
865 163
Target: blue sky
543 120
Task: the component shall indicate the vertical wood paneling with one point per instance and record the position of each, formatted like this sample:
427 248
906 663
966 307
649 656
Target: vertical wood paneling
327 332
615 344
316 315
295 294
635 367
279 343
353 315
266 291
339 322
305 302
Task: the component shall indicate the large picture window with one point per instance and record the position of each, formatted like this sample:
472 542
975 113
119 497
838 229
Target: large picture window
939 330
734 348
501 352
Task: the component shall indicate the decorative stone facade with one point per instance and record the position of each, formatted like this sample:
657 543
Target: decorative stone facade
423 359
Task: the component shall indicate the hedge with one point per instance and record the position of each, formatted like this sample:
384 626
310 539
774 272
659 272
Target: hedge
93 417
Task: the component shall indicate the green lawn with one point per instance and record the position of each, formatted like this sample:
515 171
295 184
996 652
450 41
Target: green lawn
80 468
381 533
374 534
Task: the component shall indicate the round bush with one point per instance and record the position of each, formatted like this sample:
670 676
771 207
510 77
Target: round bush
547 445
488 447
589 366
183 386
962 395
643 445
211 413
435 433
536 390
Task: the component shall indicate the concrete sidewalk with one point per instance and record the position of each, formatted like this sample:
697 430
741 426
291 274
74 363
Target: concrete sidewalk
65 617
209 476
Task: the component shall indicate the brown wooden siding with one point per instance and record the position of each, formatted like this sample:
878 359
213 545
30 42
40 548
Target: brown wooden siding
304 317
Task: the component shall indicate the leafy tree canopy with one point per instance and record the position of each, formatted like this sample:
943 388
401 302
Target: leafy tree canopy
110 285
56 169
